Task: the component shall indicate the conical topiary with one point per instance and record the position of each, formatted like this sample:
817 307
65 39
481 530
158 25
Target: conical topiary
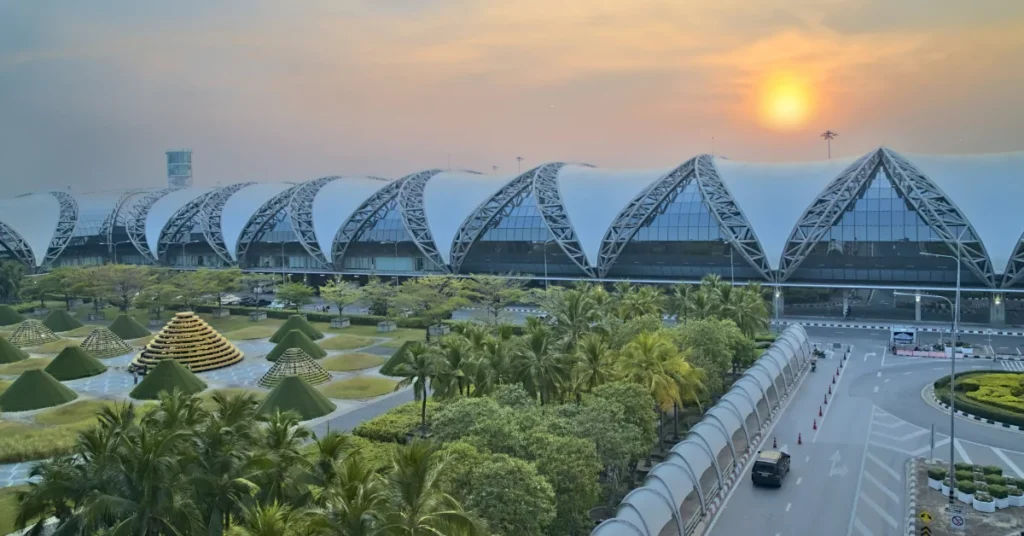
61 320
32 333
103 343
295 362
10 353
73 363
294 394
299 323
128 328
35 389
9 316
296 339
166 377
189 340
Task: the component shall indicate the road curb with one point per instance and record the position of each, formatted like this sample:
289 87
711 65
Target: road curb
845 325
911 497
929 396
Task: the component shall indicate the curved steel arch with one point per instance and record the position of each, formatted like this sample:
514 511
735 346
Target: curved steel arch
924 197
671 499
753 404
269 214
300 211
1015 265
764 390
66 223
778 395
177 229
135 223
478 221
939 212
617 521
638 212
210 215
410 202
772 355
365 216
706 447
694 479
117 216
728 437
552 210
739 415
731 220
13 242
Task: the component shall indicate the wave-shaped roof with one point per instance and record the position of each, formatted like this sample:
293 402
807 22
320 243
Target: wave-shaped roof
165 209
34 217
450 197
335 202
240 207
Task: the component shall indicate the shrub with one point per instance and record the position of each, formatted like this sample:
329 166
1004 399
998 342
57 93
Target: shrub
936 473
964 476
964 467
966 487
1015 491
980 486
995 479
999 492
395 424
983 497
992 470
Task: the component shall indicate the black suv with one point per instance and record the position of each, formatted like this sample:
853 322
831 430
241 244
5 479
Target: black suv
770 468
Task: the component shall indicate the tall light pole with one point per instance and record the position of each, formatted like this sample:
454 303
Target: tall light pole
828 135
519 165
545 248
282 261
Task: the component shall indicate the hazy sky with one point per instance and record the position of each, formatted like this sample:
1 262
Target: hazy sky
93 93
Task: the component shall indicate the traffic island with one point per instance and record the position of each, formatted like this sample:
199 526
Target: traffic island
933 517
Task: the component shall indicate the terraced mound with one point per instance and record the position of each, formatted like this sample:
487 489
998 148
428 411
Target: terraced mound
73 363
35 389
104 343
294 394
296 322
9 316
190 341
296 339
295 362
60 320
32 333
166 377
10 353
128 328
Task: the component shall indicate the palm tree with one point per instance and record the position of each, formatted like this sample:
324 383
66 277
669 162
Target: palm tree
454 354
575 313
680 301
491 365
271 520
419 367
593 361
418 505
283 438
642 301
355 503
538 365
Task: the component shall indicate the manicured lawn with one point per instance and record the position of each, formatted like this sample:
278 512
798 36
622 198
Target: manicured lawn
207 396
994 389
345 342
53 347
83 331
353 361
4 384
250 333
32 363
397 337
80 412
359 388
21 442
238 322
9 507
141 341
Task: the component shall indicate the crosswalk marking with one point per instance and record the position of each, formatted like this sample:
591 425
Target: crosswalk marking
1009 463
1016 366
882 464
960 450
881 486
879 510
926 448
903 437
861 528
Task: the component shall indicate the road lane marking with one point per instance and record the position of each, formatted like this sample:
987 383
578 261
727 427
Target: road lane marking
879 375
926 448
882 464
807 458
821 424
1008 461
860 477
879 510
876 388
911 435
861 528
888 493
960 450
788 506
907 373
889 447
799 480
886 380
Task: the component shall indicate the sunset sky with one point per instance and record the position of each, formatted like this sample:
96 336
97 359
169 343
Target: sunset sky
92 94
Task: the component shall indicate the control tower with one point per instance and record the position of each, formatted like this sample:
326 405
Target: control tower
179 168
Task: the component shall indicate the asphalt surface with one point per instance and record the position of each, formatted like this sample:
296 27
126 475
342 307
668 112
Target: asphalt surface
847 477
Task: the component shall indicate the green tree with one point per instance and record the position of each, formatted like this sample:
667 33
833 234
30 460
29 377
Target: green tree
222 282
419 367
11 275
192 287
123 282
571 466
594 362
575 313
495 293
432 297
539 365
712 345
34 287
295 294
271 520
88 283
61 282
454 362
157 298
341 294
381 296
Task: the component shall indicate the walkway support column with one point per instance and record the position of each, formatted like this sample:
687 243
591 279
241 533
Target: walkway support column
997 310
779 303
917 306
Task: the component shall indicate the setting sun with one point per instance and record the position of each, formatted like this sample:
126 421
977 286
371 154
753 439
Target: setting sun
785 101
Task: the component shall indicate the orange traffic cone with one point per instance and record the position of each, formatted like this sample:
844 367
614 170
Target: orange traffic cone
833 380
799 439
815 427
829 389
775 443
819 411
826 400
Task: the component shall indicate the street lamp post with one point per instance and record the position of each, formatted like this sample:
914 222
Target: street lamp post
545 248
282 261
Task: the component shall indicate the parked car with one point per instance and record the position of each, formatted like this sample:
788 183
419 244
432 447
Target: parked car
230 299
277 304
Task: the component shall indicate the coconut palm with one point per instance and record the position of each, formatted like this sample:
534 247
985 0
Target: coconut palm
354 504
453 355
642 301
539 365
593 361
283 438
679 302
271 520
420 366
575 313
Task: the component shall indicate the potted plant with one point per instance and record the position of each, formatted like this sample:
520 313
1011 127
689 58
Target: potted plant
1001 494
935 477
991 470
965 492
945 486
983 502
1015 496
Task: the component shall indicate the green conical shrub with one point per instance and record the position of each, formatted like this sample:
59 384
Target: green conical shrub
60 320
127 328
103 343
72 363
9 316
166 377
10 353
35 389
296 339
295 362
299 323
294 394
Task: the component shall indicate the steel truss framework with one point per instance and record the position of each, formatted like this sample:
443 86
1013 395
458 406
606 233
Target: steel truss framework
177 229
210 215
410 202
135 223
16 245
1015 266
552 210
931 205
363 217
117 216
269 214
66 223
491 210
300 210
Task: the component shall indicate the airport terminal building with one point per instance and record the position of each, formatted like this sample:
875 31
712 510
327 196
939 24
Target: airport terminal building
832 237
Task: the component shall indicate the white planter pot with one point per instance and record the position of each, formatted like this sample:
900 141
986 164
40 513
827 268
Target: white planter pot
934 484
1003 503
982 506
221 313
1016 500
338 323
386 326
967 498
945 490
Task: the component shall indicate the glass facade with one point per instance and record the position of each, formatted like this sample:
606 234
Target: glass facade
880 240
386 246
681 240
519 241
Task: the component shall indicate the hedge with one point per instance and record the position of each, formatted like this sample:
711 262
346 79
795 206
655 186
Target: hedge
982 410
937 473
393 426
284 314
966 487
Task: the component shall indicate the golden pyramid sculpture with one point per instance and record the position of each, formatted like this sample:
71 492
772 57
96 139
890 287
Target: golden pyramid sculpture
189 340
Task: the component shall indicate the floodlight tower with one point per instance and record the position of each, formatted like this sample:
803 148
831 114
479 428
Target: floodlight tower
829 136
519 164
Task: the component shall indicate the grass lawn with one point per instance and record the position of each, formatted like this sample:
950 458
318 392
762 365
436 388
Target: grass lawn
141 341
353 361
21 442
359 388
83 331
345 342
398 337
250 333
4 384
207 396
53 347
32 363
238 322
81 412
9 507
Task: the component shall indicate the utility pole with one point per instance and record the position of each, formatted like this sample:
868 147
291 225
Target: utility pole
449 161
828 135
519 165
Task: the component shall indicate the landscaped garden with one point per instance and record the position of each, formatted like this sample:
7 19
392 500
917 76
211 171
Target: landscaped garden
998 396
